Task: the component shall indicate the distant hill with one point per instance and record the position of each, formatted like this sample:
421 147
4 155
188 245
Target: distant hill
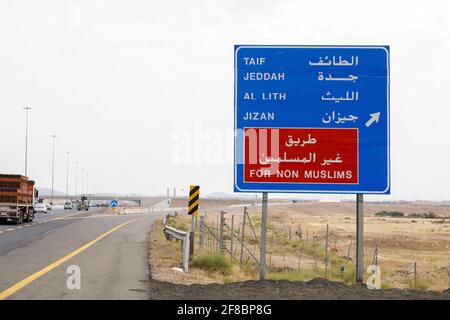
223 195
48 192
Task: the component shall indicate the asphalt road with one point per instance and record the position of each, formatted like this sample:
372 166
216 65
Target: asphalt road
110 251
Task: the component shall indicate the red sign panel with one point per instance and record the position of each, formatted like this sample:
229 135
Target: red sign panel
301 155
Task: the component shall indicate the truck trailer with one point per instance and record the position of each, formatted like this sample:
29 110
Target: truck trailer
83 203
17 197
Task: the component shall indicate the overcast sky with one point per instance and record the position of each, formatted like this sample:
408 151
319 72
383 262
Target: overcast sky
119 82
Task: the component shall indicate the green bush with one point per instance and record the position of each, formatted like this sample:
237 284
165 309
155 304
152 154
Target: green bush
394 214
425 215
430 215
419 284
415 215
212 262
176 223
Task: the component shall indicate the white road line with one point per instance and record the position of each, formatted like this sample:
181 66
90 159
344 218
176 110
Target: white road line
27 225
12 229
19 227
1 232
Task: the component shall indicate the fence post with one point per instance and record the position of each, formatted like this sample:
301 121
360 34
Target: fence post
326 253
375 255
415 273
217 233
270 250
222 221
299 259
315 254
243 237
350 251
253 229
202 232
232 235
238 232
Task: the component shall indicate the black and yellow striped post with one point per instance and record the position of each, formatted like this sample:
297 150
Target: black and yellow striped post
194 200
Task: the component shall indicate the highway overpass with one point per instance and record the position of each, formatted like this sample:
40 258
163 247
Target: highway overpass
141 201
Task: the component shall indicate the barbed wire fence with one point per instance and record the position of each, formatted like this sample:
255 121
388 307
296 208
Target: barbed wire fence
301 252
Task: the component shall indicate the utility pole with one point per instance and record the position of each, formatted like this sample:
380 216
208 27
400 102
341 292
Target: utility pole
82 181
26 140
76 180
67 174
53 167
87 183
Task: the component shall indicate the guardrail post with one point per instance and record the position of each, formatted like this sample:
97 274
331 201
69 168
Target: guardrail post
186 246
185 243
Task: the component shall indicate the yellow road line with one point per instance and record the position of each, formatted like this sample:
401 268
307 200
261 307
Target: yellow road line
5 294
102 216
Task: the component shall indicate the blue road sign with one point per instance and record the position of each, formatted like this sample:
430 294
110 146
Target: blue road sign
114 204
312 119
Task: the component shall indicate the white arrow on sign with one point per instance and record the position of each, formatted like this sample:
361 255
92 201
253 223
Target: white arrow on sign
374 117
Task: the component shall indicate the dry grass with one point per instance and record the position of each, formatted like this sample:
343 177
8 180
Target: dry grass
165 255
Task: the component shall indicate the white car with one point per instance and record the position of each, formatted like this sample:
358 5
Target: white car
40 207
68 206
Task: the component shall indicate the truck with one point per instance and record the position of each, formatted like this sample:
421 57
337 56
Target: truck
83 203
17 198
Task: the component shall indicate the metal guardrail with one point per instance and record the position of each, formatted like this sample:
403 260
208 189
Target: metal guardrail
184 237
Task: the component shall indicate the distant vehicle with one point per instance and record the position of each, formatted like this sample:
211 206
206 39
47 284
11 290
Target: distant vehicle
83 203
17 198
68 206
40 207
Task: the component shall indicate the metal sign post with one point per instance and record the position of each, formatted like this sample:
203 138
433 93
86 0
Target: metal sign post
114 205
194 200
359 237
262 258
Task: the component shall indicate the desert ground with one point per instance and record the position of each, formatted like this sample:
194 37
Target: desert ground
394 244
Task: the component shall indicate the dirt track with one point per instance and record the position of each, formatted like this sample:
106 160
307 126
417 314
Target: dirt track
317 289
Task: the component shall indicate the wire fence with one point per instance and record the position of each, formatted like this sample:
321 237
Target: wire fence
302 252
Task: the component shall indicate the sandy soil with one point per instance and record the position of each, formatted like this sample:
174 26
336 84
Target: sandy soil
317 289
400 241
